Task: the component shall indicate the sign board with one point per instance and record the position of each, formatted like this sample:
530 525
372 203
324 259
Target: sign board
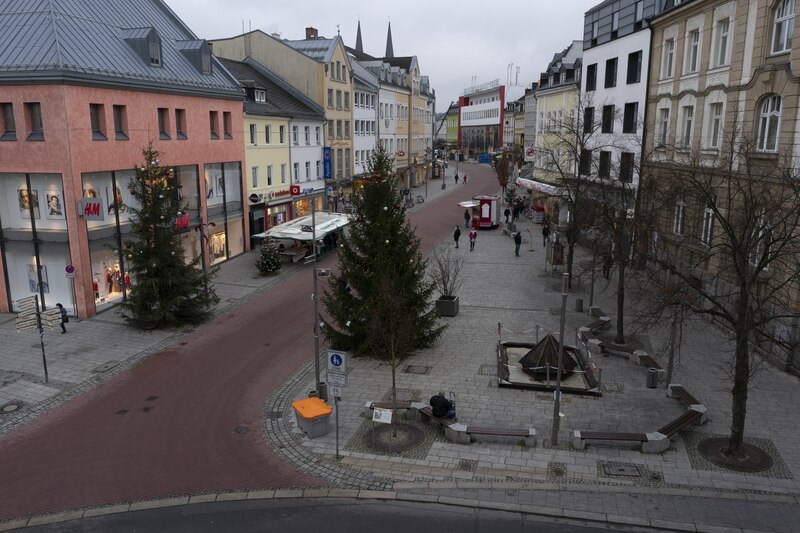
69 269
336 379
336 391
25 304
91 208
382 416
327 162
294 190
337 361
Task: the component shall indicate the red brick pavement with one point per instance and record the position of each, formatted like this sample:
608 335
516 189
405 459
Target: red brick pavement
85 454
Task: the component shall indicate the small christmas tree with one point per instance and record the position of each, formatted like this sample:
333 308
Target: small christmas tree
166 291
380 303
269 259
511 195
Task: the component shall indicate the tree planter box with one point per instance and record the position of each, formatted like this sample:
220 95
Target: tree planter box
447 306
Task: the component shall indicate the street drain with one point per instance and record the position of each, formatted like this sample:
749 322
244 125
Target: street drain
241 430
620 469
419 370
10 407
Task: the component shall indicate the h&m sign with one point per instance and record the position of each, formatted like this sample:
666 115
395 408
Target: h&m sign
91 208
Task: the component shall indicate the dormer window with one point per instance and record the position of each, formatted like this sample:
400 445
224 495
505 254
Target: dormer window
260 96
155 54
198 53
146 43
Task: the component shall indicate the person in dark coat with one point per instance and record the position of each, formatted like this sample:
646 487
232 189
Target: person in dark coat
608 262
456 235
466 218
456 179
517 242
64 318
441 407
507 212
545 234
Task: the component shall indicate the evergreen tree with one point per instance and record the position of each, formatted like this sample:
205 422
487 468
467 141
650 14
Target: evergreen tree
511 195
380 303
269 259
166 290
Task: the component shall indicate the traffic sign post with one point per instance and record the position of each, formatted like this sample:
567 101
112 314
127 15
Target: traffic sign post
30 319
337 379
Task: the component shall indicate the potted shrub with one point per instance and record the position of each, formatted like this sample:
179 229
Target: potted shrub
447 265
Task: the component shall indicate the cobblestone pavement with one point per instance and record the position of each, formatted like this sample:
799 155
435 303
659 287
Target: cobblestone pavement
514 299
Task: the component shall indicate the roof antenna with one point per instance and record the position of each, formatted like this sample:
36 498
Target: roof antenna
337 30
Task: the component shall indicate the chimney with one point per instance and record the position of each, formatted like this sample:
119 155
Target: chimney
311 33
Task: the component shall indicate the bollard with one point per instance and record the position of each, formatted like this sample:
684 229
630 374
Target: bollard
313 394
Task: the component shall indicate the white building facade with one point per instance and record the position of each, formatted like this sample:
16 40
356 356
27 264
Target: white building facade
365 116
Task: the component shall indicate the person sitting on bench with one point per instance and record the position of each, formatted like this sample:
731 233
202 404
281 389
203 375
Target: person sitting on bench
441 407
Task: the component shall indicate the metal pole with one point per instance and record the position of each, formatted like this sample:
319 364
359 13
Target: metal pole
557 403
41 331
594 260
336 406
314 299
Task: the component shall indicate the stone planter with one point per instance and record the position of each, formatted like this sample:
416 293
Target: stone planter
447 306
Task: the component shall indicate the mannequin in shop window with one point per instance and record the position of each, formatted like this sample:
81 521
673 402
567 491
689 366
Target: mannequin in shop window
96 289
127 280
117 279
109 280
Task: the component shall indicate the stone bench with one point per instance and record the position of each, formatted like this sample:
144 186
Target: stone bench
464 434
405 406
695 415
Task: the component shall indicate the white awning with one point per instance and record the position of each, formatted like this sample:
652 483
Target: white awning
300 229
552 190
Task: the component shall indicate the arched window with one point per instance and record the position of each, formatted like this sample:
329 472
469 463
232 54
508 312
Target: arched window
783 25
768 123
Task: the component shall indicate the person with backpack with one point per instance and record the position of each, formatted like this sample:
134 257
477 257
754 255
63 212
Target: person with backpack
545 234
64 318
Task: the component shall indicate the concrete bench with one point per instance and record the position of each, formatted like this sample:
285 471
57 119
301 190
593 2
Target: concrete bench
651 442
647 360
494 434
601 324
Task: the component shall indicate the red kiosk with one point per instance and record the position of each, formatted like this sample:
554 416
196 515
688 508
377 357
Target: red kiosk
484 210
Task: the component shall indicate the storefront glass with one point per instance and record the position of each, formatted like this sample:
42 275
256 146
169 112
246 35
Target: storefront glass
278 214
303 207
224 200
33 224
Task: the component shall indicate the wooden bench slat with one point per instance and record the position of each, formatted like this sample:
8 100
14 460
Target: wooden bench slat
510 432
605 435
429 412
390 405
684 395
686 419
649 361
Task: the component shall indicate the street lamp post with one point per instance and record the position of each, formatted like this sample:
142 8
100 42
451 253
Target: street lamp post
557 403
320 387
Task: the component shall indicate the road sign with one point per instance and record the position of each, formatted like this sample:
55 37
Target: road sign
69 269
337 361
336 391
294 190
336 379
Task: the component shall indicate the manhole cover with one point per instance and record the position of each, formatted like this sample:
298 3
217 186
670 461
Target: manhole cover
417 369
380 438
754 459
621 469
241 430
10 407
467 465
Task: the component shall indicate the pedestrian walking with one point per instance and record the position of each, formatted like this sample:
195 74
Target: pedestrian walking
456 178
545 234
506 213
473 235
64 318
608 262
465 179
457 235
517 242
466 218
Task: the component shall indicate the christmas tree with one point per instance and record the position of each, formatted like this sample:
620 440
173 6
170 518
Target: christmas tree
166 290
269 259
380 303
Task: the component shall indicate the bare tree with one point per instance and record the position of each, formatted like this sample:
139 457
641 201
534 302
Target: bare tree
722 242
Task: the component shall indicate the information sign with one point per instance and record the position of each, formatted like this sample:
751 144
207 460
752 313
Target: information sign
382 416
336 379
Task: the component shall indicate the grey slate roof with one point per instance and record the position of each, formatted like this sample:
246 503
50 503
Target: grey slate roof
84 41
319 49
282 99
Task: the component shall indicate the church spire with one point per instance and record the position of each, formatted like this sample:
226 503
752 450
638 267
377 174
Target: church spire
359 46
389 47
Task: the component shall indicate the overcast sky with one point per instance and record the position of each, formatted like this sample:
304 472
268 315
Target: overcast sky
454 41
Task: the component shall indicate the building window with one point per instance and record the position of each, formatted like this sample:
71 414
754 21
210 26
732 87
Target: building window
680 216
663 126
626 167
339 163
254 177
296 172
759 245
120 122
180 124
281 134
614 24
591 77
295 135
267 134
595 29
708 225
33 121
346 129
631 117
213 119
307 134
253 134
155 54
319 166
269 175
347 100
283 172
9 126
692 51
338 99
348 173
667 61
721 42
604 168
330 98
585 163
261 96
611 73
163 123
608 119
634 67
783 26
769 120
338 129
714 125
588 120
308 170
98 122
686 133
226 124
638 15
